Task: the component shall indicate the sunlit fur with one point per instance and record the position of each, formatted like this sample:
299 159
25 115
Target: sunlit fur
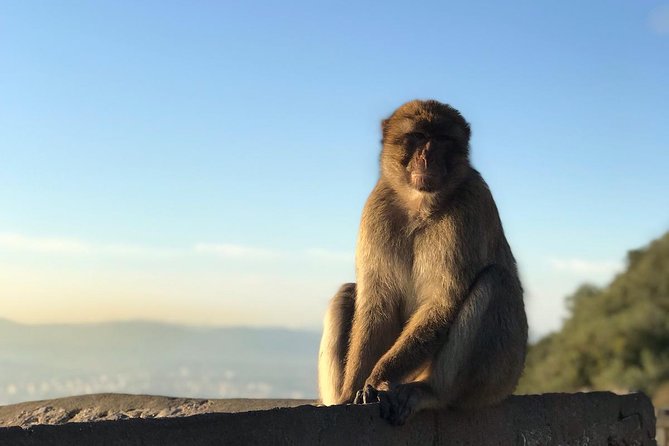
436 318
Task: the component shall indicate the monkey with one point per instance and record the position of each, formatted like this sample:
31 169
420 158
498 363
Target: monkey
436 317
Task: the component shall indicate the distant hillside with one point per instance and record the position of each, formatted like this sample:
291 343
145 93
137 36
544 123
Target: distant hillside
47 361
616 337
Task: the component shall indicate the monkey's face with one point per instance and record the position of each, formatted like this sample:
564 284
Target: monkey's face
424 144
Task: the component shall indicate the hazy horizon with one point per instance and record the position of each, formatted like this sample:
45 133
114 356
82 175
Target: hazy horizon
57 360
158 322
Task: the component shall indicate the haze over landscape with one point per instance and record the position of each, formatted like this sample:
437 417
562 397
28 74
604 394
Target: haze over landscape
205 165
51 361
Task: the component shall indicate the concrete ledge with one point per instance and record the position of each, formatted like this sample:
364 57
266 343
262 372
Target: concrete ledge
120 406
599 418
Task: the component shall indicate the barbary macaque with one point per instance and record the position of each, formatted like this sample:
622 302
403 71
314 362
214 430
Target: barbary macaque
436 318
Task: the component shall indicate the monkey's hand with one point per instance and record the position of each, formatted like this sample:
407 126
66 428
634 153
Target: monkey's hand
396 403
367 395
373 393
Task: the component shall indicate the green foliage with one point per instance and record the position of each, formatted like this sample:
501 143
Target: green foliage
615 338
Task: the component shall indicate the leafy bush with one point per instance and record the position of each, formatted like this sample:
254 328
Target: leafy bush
615 338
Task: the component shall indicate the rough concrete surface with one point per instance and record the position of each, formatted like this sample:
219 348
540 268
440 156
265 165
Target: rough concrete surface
118 406
599 418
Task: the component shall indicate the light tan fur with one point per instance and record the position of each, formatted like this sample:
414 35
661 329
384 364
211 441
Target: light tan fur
436 317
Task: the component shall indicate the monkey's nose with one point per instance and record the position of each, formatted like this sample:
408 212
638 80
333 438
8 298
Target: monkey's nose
422 157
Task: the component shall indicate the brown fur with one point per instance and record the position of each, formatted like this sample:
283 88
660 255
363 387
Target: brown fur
436 317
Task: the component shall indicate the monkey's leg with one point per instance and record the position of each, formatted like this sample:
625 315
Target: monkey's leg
334 344
486 367
482 358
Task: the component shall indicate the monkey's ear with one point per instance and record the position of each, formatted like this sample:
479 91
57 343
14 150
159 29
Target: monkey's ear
467 131
384 128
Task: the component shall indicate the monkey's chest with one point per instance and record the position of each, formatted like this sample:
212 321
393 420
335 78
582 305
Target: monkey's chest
424 274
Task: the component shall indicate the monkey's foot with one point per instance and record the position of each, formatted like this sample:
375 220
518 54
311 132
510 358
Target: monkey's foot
404 400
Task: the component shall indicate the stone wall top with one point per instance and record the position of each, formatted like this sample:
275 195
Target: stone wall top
598 418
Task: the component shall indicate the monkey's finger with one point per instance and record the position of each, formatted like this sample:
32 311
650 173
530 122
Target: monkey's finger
370 395
359 398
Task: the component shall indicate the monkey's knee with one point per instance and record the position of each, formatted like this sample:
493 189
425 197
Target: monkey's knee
342 305
346 291
334 343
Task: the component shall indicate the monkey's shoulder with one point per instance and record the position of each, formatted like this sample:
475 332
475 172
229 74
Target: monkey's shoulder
383 208
473 203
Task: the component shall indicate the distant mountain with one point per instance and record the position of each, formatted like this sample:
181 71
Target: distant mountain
616 337
47 361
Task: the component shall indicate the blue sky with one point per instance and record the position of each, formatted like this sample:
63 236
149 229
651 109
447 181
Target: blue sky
206 162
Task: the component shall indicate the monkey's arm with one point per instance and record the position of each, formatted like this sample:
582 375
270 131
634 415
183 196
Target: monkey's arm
425 332
375 328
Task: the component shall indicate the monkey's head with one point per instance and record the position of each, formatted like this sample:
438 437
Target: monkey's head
424 144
